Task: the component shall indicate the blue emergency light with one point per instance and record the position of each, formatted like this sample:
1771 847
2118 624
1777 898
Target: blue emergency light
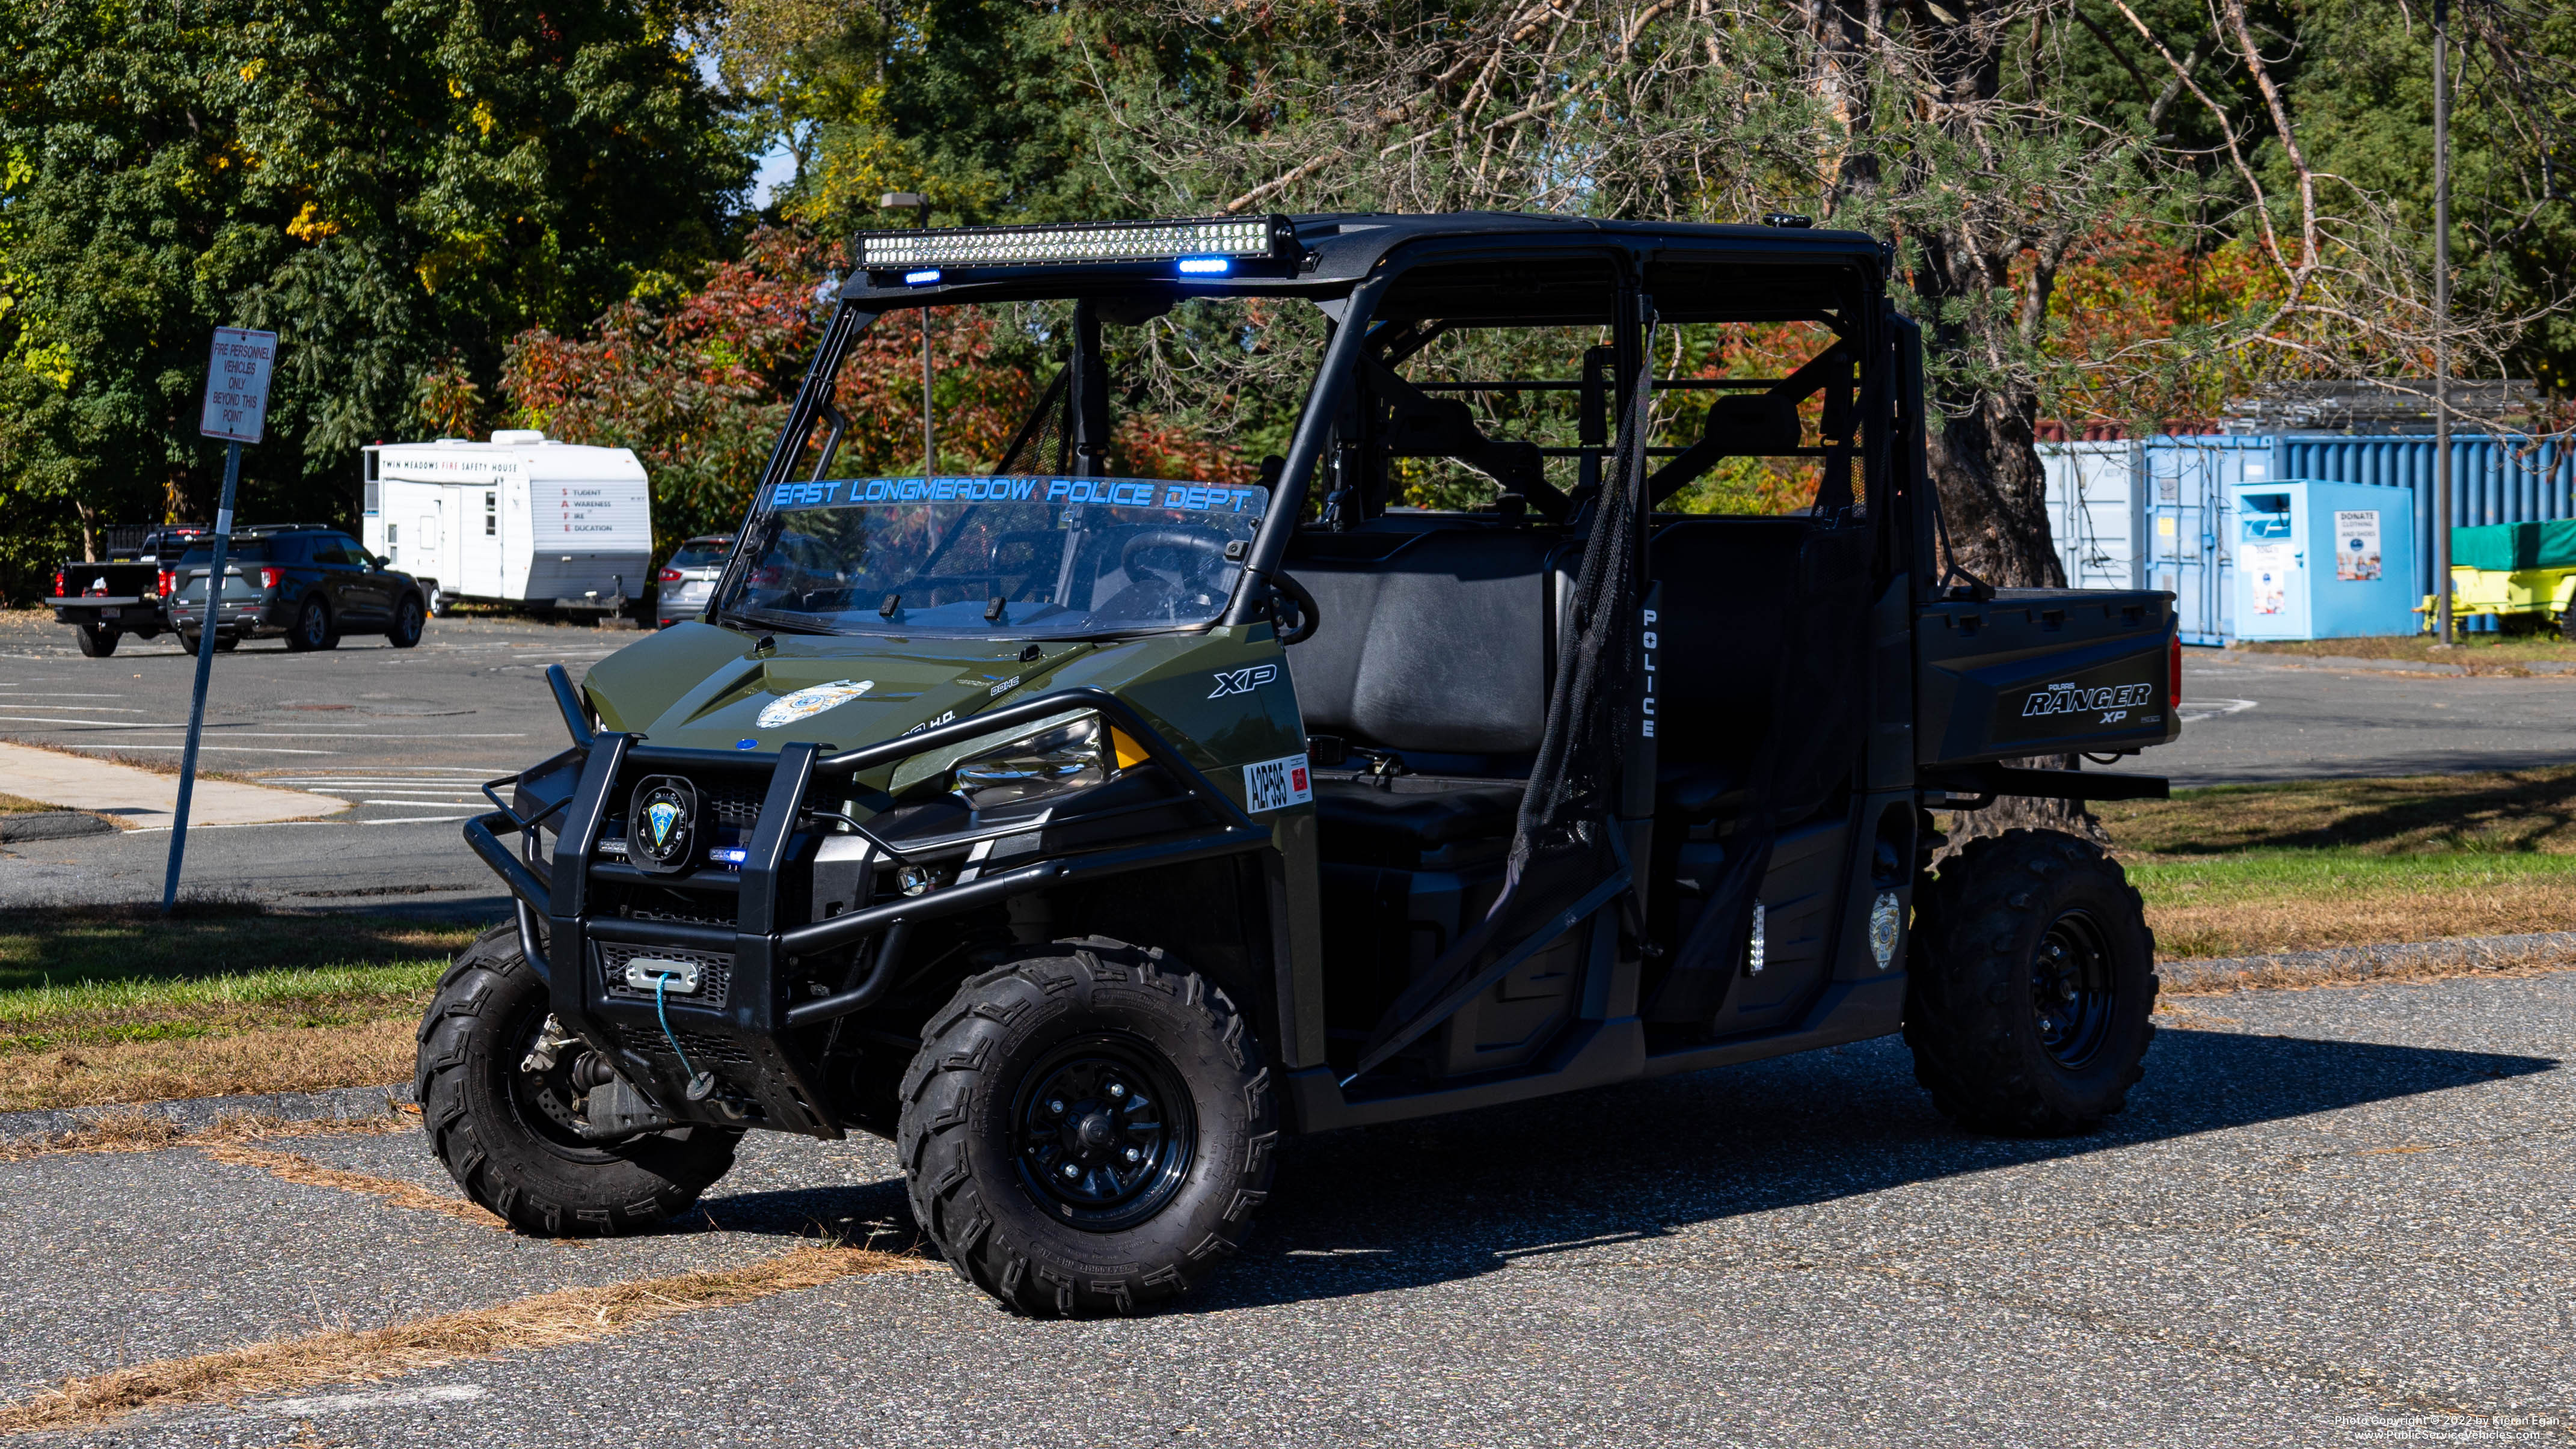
921 279
1205 266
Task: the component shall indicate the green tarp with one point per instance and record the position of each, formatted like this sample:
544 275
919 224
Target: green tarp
2508 547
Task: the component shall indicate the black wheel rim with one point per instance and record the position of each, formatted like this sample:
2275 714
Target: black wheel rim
2072 993
314 627
1102 1132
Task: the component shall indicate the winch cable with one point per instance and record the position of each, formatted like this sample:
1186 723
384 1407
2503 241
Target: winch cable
699 1082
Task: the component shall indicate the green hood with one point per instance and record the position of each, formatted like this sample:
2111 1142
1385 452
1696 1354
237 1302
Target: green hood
702 687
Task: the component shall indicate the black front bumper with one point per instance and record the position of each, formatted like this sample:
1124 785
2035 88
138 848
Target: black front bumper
752 931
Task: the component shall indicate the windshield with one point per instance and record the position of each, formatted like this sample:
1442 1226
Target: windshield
1006 556
701 554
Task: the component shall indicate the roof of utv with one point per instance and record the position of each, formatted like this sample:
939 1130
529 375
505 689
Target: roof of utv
1319 255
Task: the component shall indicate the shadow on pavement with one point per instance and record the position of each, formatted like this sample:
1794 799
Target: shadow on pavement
1418 1203
1381 1208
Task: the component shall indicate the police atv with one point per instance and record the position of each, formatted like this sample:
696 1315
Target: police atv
1564 702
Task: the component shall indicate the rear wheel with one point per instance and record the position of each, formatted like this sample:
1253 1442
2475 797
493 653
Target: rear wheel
314 627
97 641
2031 985
508 1128
409 618
1087 1131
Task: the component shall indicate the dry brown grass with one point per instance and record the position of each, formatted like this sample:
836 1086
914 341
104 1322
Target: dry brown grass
2274 976
296 1167
21 805
135 1130
2479 653
2225 918
577 1315
278 1059
2492 812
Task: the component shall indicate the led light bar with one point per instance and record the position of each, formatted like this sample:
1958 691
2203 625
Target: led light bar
1224 239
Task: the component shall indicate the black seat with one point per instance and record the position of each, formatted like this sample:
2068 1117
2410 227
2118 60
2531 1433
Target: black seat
1398 827
1432 640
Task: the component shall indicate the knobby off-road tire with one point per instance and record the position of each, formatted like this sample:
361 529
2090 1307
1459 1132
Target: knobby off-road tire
491 1124
96 641
1032 1068
2031 984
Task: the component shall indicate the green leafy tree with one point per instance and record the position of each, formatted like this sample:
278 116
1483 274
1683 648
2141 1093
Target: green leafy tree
396 188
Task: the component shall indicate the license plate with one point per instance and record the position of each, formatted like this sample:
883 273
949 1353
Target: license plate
111 613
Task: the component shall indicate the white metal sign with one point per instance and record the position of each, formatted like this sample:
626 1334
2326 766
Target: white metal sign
237 385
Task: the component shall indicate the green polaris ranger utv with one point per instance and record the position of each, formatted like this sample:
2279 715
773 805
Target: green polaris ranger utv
1563 700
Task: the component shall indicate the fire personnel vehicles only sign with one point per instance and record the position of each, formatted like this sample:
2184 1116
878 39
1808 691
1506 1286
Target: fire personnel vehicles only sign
237 385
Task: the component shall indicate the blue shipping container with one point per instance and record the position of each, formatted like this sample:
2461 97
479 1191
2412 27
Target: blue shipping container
2158 513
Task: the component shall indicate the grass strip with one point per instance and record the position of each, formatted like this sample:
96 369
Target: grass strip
273 1059
548 1320
2476 648
111 1004
2265 902
21 805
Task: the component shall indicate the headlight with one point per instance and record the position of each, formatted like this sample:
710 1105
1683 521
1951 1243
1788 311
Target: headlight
1068 756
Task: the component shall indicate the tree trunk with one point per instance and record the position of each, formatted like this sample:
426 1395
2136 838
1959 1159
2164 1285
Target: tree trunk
1994 494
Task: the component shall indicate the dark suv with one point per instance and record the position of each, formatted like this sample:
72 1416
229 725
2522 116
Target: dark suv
308 583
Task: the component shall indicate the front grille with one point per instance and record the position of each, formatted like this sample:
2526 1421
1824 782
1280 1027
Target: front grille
737 805
704 1051
715 972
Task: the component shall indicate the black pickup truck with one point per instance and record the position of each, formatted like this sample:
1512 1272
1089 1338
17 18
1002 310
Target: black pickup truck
125 594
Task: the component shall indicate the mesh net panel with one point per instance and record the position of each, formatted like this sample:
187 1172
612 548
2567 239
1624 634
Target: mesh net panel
1563 850
1044 443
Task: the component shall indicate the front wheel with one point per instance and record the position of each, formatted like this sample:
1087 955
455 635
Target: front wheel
97 641
1087 1130
2032 980
505 1117
409 618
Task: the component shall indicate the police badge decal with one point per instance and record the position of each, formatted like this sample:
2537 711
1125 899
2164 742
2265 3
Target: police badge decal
662 825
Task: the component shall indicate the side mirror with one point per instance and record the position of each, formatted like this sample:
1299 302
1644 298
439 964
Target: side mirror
380 561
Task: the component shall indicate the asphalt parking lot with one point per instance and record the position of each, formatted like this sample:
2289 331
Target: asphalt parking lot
402 736
2335 1216
405 736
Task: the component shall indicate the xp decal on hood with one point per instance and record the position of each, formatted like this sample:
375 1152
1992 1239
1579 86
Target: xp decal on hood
789 708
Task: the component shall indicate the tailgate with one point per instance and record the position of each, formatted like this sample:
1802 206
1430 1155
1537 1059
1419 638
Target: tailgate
2044 672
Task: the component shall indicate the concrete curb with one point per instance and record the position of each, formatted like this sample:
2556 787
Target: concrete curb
2363 963
193 1113
52 825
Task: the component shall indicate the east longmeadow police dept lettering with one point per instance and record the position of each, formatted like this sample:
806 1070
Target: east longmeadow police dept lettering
2075 699
1124 492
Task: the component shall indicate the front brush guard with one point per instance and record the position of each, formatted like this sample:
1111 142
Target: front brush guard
757 1016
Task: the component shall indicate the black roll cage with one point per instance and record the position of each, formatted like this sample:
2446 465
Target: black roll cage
1351 307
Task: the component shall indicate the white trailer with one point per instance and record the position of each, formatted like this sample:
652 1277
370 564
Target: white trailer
521 520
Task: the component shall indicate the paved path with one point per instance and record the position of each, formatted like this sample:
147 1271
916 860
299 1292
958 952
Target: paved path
145 799
389 744
2331 1217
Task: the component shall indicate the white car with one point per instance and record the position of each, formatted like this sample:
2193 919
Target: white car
687 578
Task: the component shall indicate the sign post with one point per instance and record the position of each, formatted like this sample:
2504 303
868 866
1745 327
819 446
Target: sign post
237 412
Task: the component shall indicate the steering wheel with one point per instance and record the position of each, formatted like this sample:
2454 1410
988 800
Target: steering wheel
1180 538
1284 589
